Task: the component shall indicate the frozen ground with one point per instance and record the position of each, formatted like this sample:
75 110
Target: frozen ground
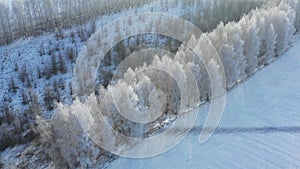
260 127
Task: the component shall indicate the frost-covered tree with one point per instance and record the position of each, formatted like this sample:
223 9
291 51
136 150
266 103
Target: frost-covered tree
297 8
227 41
5 21
64 140
271 37
289 8
263 20
282 18
234 39
53 64
281 26
62 65
72 140
48 97
251 43
219 39
196 66
34 103
20 16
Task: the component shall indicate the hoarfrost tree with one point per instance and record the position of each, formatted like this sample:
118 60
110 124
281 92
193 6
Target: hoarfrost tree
281 25
291 15
5 21
251 43
64 139
227 41
238 59
219 39
20 18
262 18
271 37
196 66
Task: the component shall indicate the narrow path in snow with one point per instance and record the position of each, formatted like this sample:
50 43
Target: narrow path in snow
260 127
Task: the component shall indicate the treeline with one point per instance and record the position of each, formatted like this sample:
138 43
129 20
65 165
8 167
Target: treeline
207 14
32 17
255 41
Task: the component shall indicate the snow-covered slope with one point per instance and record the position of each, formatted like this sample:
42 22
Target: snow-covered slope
260 126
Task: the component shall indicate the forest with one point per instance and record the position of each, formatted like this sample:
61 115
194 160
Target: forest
50 73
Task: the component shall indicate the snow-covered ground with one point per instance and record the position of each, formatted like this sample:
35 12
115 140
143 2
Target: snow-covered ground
260 127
